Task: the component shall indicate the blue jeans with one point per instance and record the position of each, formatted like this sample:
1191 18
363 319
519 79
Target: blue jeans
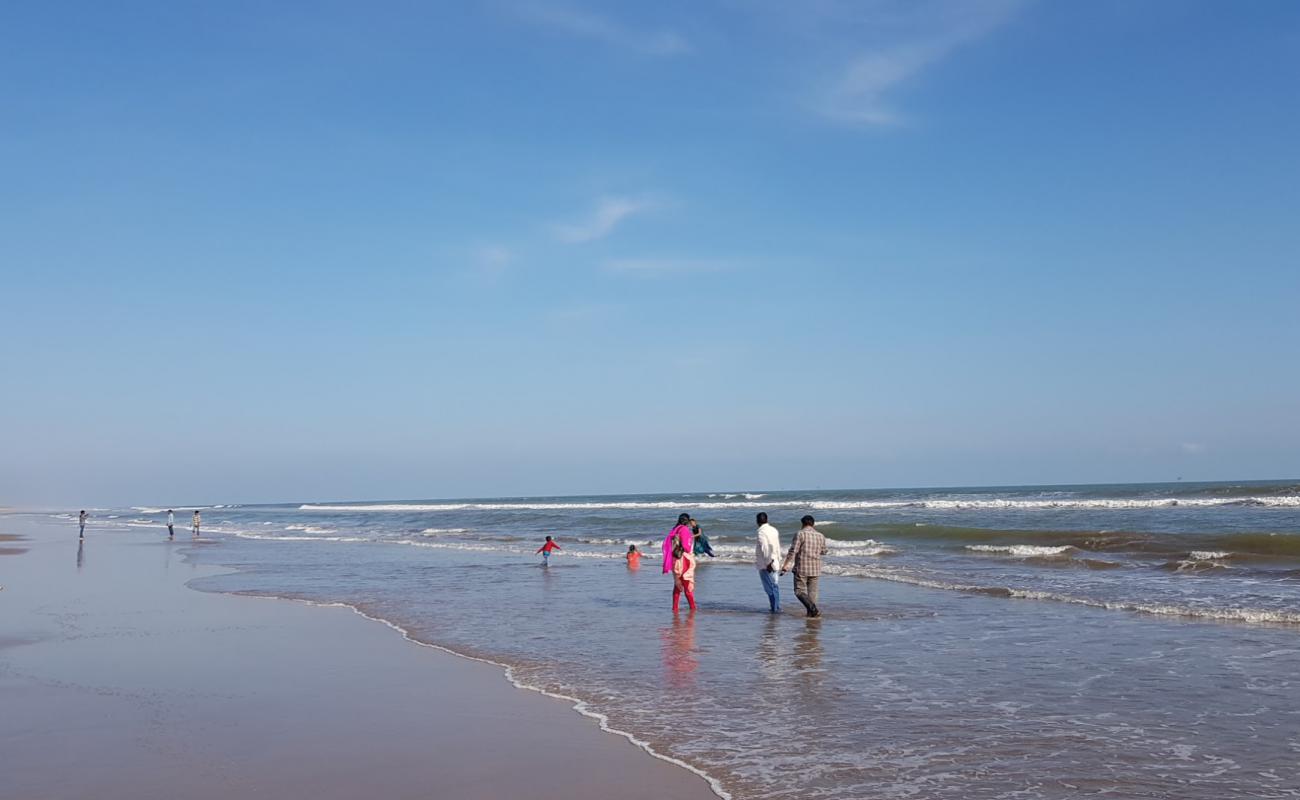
772 588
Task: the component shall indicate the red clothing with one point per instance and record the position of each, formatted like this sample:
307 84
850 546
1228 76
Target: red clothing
548 547
681 587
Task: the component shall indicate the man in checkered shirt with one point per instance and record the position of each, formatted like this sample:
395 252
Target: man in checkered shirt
806 556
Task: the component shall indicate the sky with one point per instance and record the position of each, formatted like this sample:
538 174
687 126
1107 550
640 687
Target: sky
257 252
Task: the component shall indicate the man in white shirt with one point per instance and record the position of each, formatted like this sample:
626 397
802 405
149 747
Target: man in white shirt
171 522
767 558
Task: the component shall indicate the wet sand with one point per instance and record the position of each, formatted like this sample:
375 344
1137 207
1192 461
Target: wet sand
117 681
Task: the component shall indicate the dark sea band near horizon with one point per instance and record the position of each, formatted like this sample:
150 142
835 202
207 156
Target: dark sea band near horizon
1135 640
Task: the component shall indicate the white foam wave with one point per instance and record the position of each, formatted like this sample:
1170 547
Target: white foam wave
837 544
1021 549
1008 504
308 529
489 548
282 538
1218 614
441 531
1209 555
869 550
639 542
834 547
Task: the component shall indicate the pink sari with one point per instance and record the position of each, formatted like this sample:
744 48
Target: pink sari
683 534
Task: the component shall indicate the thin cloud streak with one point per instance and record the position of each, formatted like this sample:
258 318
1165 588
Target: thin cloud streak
603 219
586 25
861 92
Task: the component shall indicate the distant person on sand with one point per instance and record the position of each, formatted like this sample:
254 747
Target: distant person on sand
680 534
702 547
806 556
81 520
683 576
546 549
171 524
633 557
767 557
198 520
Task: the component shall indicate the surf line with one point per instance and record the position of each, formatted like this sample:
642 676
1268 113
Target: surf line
577 704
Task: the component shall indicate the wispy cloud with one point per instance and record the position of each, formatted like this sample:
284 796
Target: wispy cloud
603 219
491 260
662 267
588 25
903 42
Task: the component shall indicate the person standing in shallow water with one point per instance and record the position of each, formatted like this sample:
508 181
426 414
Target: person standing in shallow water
683 576
702 546
546 549
680 534
767 557
197 521
171 524
81 521
806 557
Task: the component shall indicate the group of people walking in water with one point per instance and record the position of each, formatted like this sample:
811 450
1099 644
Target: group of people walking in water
686 542
171 523
682 548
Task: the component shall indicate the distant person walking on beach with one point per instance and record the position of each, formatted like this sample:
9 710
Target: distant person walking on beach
198 520
546 549
633 557
806 557
81 520
171 524
702 547
767 557
680 534
683 576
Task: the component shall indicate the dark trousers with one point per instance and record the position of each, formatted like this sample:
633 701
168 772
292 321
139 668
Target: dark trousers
805 589
170 532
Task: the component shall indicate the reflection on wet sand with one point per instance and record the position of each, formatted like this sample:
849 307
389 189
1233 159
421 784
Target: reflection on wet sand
680 659
81 553
809 677
808 648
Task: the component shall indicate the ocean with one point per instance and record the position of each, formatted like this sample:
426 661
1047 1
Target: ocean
1134 641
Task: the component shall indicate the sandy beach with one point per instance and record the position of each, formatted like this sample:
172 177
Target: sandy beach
118 681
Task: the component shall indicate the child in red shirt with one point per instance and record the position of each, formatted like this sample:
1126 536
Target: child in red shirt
546 549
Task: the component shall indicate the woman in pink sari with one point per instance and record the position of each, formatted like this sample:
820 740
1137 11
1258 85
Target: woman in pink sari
680 533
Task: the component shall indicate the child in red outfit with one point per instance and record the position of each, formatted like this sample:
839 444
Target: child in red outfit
546 549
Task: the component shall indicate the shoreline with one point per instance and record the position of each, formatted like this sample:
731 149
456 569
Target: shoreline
577 705
146 685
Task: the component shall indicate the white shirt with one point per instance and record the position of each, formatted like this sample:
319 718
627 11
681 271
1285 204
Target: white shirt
768 548
171 520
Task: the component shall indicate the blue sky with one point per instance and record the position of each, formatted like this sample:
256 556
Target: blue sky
257 252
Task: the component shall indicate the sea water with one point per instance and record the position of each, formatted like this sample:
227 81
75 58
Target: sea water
1029 642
